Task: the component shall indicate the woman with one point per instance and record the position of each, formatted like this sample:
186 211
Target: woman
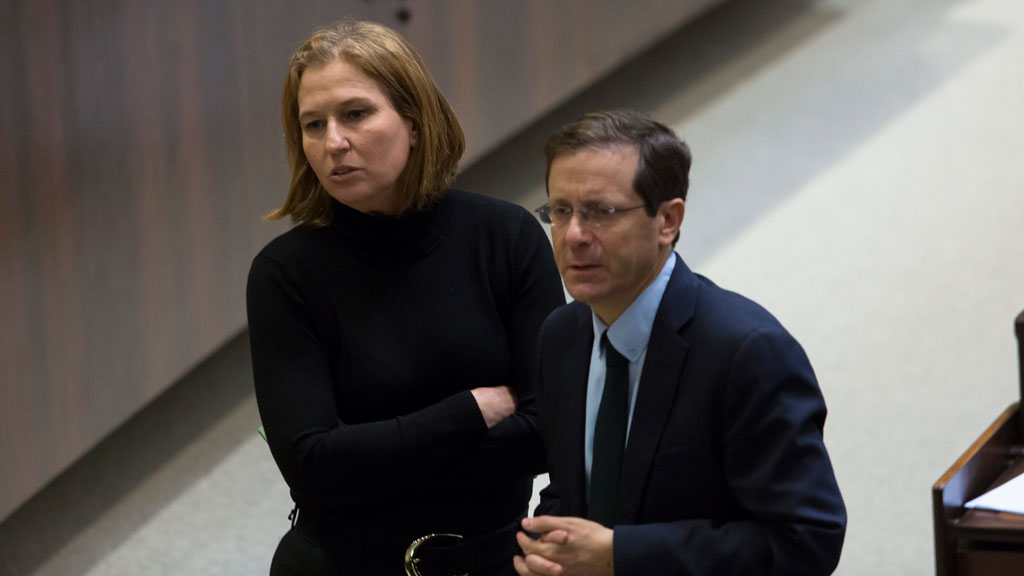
392 329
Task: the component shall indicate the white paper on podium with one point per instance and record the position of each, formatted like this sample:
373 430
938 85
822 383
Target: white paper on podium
1008 497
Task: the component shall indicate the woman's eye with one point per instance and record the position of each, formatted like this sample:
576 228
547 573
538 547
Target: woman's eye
313 124
356 114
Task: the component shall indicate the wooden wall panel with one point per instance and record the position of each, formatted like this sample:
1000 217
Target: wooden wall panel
140 143
130 197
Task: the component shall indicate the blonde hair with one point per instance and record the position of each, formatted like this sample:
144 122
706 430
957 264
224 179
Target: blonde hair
382 54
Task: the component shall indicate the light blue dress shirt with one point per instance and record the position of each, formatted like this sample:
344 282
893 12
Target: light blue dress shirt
629 334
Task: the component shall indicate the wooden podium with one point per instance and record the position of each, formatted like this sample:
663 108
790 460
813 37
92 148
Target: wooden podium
982 542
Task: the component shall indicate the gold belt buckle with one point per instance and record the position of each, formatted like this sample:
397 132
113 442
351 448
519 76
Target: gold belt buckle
410 553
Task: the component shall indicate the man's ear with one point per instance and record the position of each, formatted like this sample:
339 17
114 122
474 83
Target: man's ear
670 218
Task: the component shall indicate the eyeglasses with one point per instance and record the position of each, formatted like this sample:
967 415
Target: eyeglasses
596 214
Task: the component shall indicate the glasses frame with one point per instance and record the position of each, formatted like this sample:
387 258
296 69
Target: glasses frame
596 215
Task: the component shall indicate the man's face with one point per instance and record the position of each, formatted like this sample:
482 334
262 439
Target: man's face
606 267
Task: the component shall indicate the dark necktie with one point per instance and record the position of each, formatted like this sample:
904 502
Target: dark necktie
609 437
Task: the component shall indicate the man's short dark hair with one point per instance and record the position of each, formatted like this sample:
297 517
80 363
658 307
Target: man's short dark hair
663 172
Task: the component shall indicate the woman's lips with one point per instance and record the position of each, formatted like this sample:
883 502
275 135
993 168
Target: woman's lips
342 172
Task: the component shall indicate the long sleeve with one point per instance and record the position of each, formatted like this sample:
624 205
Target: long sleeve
323 460
367 339
515 446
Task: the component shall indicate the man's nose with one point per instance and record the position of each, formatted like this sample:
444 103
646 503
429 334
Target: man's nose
577 229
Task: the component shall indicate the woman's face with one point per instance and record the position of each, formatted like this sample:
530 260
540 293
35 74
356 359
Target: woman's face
353 138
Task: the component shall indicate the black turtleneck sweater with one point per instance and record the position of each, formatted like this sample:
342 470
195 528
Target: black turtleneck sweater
367 336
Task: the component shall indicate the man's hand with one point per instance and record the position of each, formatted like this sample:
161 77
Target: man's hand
496 403
566 547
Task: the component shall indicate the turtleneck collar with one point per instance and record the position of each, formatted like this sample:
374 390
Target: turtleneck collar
387 237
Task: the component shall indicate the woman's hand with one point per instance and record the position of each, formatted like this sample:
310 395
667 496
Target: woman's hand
495 402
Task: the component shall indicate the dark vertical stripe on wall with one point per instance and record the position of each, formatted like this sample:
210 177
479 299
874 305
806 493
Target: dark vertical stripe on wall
95 92
61 316
228 152
193 165
247 20
17 365
148 176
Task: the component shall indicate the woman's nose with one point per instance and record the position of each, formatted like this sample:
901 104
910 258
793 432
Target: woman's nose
337 138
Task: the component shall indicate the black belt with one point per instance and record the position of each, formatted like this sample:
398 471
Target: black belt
455 555
432 555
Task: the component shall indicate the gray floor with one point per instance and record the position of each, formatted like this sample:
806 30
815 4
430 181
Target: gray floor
853 172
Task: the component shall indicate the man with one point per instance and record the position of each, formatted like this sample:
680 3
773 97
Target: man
683 423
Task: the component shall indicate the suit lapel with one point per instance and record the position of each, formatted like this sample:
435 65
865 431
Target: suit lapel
666 355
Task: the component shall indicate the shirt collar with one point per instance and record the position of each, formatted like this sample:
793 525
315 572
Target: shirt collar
631 331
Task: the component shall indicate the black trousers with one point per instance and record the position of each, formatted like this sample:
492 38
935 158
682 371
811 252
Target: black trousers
298 556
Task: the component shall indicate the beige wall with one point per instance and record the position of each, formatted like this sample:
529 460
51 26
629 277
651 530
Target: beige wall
139 145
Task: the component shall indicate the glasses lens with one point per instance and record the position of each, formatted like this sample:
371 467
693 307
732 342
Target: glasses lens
561 215
601 214
544 213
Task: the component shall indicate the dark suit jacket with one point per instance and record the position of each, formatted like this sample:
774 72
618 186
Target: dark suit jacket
725 471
